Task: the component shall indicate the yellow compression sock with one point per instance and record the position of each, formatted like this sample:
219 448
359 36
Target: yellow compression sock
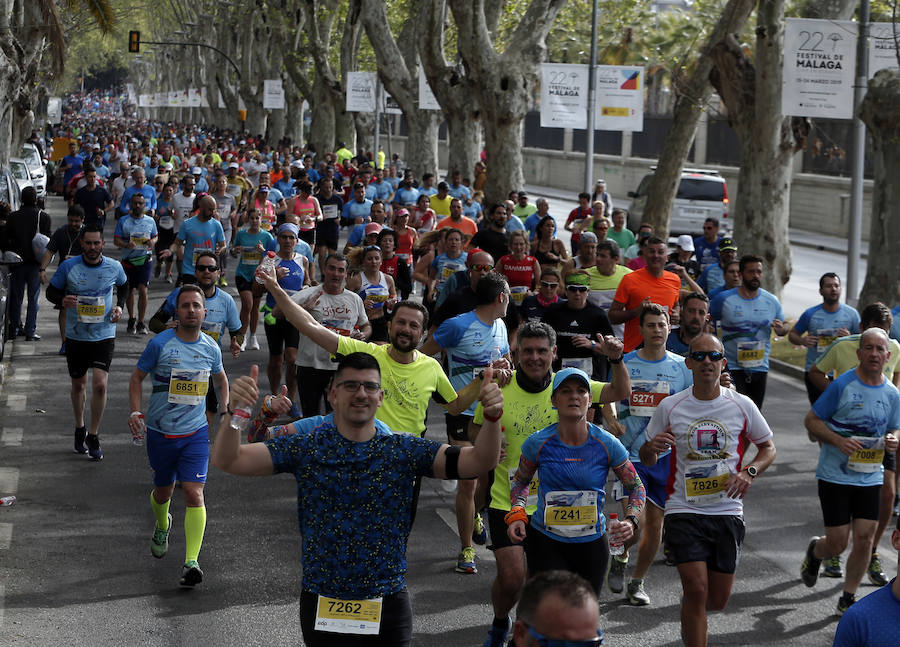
161 512
194 527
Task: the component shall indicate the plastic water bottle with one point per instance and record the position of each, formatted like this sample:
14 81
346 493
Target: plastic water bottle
138 441
268 263
7 501
240 419
615 548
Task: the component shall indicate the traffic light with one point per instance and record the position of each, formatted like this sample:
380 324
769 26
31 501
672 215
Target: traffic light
134 42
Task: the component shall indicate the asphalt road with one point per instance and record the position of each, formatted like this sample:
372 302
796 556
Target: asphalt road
75 568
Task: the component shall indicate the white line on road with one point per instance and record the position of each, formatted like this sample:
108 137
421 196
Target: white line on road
16 402
5 535
9 480
23 374
2 603
23 349
449 518
11 436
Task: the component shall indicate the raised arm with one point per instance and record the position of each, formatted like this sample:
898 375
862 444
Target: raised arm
228 454
298 315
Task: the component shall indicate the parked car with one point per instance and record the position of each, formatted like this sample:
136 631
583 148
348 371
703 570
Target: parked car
38 168
9 189
7 259
20 172
701 194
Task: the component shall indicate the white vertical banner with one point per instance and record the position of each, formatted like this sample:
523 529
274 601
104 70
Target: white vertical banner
172 99
819 65
132 97
564 100
193 98
361 91
882 47
427 100
620 98
273 94
204 100
143 101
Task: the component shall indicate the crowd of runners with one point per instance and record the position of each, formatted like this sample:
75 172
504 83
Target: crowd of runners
601 398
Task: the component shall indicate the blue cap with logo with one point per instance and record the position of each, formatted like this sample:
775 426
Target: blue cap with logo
570 373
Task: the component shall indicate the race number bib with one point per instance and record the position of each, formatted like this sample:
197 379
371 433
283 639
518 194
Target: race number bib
450 269
532 487
211 329
704 482
751 354
571 513
826 336
166 222
329 211
250 256
378 295
586 364
646 396
348 616
518 294
188 387
870 457
139 240
91 309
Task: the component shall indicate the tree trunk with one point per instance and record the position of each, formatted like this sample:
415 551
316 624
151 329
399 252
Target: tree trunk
768 142
365 132
692 97
464 134
879 112
322 128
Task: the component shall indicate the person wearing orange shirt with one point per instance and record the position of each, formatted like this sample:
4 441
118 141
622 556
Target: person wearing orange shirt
651 284
458 221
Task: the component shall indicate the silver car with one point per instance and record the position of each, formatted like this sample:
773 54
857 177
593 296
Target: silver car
701 194
20 172
38 168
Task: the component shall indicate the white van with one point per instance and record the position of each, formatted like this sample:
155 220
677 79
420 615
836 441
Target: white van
701 194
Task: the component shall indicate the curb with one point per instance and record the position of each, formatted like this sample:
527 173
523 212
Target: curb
787 369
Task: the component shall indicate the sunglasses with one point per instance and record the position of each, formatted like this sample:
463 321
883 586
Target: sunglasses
370 248
482 267
713 355
543 641
352 386
577 288
207 268
548 284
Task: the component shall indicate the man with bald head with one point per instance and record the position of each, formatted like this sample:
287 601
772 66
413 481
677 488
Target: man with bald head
198 234
856 420
557 607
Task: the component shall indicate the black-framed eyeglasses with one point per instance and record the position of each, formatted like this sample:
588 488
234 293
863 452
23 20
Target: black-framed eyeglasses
544 641
577 288
352 386
713 355
207 268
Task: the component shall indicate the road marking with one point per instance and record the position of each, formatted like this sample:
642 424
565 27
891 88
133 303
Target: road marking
5 535
23 349
2 600
23 374
9 480
15 402
449 518
11 436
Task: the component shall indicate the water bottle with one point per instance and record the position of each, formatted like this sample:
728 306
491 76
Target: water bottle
7 501
269 262
138 441
240 419
615 548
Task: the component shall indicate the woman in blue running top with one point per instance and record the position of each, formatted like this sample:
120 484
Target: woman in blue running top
572 458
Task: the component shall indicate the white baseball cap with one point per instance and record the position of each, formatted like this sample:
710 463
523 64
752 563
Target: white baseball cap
234 165
686 243
196 171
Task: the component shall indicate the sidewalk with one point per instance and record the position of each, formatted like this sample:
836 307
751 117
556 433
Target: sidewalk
800 237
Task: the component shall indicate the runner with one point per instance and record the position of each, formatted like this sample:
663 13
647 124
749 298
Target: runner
250 244
83 286
181 361
374 287
558 603
354 536
65 243
707 426
202 232
136 236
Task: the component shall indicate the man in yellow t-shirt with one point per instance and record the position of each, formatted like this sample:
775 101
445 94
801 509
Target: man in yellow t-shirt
526 410
605 278
440 201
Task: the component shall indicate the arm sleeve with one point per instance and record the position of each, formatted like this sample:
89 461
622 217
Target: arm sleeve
448 334
232 317
715 307
827 403
802 324
55 295
854 327
148 359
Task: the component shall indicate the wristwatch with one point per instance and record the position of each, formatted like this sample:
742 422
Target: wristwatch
752 472
633 520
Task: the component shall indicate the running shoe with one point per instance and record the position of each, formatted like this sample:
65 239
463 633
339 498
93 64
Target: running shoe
479 532
466 561
809 571
615 578
253 344
159 543
80 435
169 277
845 602
93 446
62 349
875 572
497 635
142 329
831 567
223 283
191 575
637 597
130 328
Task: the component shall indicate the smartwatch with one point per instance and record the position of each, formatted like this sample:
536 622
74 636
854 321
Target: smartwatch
752 472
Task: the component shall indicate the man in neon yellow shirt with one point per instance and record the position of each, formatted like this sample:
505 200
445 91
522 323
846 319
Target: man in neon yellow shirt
605 277
526 410
342 153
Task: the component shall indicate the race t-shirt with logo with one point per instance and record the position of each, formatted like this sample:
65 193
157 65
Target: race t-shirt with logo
519 274
249 257
221 313
471 345
93 287
180 373
300 247
709 447
354 504
818 321
340 313
866 413
138 231
711 278
603 291
524 413
651 383
447 267
746 327
571 484
180 208
292 282
407 387
841 357
197 237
